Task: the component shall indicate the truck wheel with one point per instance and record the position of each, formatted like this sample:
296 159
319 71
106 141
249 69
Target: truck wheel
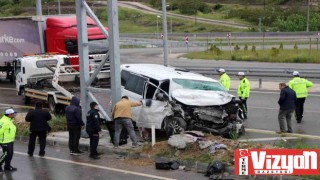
52 105
175 125
25 99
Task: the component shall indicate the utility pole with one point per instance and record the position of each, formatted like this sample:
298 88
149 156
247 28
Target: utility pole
308 16
165 34
59 8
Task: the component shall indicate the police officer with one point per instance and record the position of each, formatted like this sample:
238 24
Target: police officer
243 92
8 133
93 129
224 79
300 86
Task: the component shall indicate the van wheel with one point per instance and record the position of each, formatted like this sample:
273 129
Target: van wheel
52 105
175 125
25 99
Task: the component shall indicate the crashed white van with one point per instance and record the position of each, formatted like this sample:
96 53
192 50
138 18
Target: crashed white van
180 100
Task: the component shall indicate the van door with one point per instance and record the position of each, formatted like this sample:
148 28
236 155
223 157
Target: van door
159 109
133 88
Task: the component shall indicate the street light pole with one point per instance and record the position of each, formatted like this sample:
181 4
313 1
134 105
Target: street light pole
158 27
170 18
308 16
59 10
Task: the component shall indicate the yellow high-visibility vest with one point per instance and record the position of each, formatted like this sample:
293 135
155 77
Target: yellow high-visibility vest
7 130
244 88
300 86
225 81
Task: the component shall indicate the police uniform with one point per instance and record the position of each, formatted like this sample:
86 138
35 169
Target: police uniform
7 136
244 93
300 86
225 81
93 129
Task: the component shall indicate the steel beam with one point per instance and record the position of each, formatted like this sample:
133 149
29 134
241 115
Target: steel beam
114 50
83 55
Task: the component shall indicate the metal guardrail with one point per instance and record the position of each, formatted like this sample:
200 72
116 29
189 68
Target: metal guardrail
257 72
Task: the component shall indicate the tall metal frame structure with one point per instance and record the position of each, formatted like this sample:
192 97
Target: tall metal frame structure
82 10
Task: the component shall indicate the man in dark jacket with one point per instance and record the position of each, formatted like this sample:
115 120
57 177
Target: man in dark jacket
74 124
39 127
287 102
93 129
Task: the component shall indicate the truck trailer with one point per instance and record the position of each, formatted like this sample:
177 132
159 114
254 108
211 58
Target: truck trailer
51 34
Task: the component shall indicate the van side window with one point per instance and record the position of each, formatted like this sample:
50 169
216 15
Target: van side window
165 86
124 77
151 89
135 84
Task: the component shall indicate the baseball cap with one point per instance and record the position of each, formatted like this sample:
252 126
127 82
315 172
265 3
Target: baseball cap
221 70
241 74
295 73
9 111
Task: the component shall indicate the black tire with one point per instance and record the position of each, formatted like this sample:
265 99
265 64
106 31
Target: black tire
25 99
174 125
52 105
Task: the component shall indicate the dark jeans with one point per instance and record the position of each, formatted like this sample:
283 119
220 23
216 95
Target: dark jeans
120 123
244 108
42 140
74 137
299 108
94 141
283 118
7 154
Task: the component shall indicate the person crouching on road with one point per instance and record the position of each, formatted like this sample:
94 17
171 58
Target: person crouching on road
74 124
224 79
300 86
39 127
8 134
121 114
93 129
243 92
287 103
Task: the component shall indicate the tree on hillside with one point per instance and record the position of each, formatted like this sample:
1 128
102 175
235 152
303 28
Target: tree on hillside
189 7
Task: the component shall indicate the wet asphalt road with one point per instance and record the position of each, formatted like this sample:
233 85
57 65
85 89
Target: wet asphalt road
59 165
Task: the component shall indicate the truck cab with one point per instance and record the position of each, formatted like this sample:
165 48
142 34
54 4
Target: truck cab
61 37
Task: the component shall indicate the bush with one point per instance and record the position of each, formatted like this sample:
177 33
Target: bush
237 48
274 51
156 3
281 46
245 47
214 49
295 47
204 8
217 7
253 49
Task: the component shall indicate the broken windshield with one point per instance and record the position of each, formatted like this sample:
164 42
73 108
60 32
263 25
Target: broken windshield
199 85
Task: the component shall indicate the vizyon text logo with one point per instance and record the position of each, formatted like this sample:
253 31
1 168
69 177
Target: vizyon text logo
276 161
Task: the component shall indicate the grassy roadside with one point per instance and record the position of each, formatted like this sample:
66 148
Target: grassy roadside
57 123
133 21
274 55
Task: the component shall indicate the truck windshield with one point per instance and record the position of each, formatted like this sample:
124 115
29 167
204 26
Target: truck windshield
199 85
98 46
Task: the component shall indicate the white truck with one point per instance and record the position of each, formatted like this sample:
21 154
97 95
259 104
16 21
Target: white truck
48 78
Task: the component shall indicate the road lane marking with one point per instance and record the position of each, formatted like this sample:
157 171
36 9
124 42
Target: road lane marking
267 139
3 88
261 131
99 167
257 107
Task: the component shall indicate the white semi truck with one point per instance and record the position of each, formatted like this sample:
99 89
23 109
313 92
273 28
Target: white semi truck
48 78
